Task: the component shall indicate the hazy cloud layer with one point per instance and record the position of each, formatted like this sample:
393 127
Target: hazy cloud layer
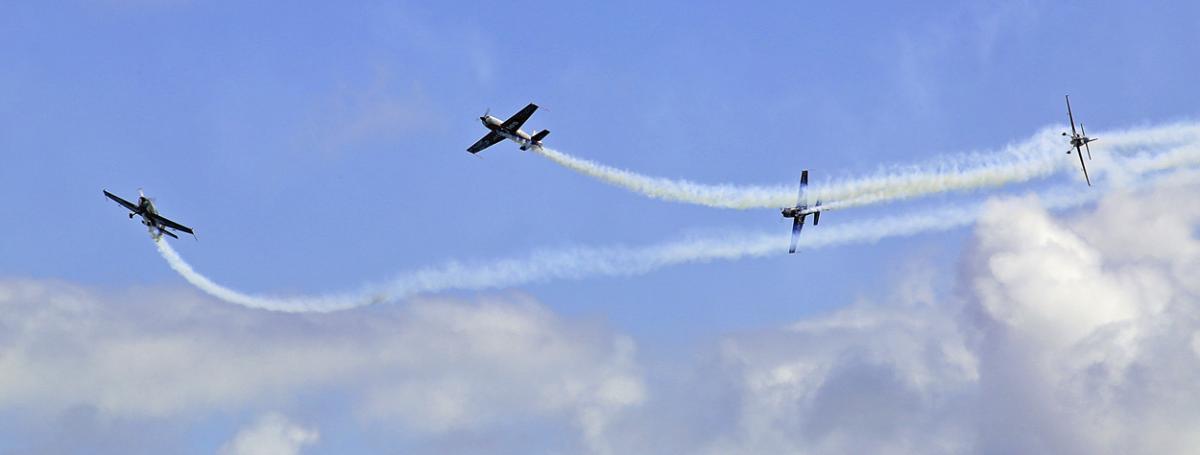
1053 334
433 367
1065 336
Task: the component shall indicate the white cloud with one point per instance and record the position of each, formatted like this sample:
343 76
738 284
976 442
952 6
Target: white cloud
1056 334
429 369
1084 324
1072 335
868 379
271 434
504 363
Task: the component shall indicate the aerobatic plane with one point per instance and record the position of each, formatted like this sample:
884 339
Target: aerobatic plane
1079 139
155 223
508 129
801 210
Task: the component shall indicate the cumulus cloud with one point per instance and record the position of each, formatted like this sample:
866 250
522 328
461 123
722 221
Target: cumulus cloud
871 378
1058 334
432 368
1064 334
1084 325
271 434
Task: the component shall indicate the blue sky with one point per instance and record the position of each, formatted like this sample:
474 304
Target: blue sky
317 146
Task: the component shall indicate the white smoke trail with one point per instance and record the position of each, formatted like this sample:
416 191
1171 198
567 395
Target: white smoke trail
1037 157
1017 162
319 304
579 262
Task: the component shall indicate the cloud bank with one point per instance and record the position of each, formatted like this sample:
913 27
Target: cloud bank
1063 336
1076 334
431 368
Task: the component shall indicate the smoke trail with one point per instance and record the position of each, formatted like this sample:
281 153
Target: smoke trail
1137 159
579 262
320 304
1037 157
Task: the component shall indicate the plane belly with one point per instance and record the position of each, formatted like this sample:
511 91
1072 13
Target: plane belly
515 138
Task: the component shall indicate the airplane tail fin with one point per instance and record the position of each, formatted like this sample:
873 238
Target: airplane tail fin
1085 143
540 134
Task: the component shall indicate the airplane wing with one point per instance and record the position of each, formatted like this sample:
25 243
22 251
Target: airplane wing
484 142
124 203
797 225
803 185
518 119
1085 176
1070 115
171 224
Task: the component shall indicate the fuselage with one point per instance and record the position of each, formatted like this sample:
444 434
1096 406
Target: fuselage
147 206
1079 140
802 210
495 124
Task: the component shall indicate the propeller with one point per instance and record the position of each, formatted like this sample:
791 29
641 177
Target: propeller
143 195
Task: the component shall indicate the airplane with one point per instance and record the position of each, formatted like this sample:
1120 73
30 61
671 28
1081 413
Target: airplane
155 223
801 210
508 129
1079 139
